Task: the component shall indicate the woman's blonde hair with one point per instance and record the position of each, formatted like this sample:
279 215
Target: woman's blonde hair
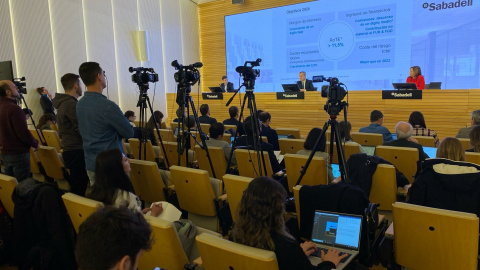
451 148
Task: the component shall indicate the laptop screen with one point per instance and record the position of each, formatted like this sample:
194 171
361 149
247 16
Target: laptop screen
338 230
430 151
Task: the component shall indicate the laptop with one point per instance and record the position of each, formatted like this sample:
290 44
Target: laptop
216 89
434 85
430 151
291 87
341 231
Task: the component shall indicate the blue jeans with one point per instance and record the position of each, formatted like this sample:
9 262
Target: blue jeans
17 166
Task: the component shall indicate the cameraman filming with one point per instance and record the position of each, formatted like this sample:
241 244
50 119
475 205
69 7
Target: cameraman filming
15 138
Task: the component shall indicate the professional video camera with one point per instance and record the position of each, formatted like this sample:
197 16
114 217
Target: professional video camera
186 75
334 94
21 85
143 75
249 74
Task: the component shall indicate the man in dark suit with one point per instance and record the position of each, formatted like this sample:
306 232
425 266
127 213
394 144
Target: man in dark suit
229 85
205 118
233 120
46 100
267 131
404 139
464 132
304 84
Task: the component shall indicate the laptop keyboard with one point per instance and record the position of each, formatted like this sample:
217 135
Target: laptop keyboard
318 254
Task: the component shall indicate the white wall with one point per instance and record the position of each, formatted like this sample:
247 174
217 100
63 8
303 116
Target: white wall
48 38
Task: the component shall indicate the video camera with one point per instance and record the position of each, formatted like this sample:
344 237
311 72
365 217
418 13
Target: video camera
21 85
143 75
187 75
334 94
249 74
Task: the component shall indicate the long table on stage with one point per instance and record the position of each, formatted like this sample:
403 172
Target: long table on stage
445 111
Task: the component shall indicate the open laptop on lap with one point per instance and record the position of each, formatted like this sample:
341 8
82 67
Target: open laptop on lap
340 231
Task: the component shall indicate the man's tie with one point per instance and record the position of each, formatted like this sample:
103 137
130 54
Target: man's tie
303 84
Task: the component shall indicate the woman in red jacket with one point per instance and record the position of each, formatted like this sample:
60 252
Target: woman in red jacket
416 77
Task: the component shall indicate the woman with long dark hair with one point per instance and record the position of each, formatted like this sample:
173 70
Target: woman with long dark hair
112 183
320 150
261 224
417 121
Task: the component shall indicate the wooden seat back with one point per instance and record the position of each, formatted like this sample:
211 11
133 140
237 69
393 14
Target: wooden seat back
316 173
234 186
218 160
403 158
384 187
7 185
290 146
147 181
79 208
247 163
370 139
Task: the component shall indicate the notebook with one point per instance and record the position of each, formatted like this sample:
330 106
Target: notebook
341 231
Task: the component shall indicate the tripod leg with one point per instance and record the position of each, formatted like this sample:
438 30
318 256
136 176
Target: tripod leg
319 139
202 137
234 144
257 137
341 155
158 132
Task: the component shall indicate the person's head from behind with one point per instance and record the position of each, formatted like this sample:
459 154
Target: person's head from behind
416 119
376 116
71 84
344 129
260 213
111 174
265 118
92 75
475 118
190 122
249 127
179 112
415 71
233 111
130 115
112 238
151 121
46 119
204 109
216 131
475 138
451 148
403 130
312 138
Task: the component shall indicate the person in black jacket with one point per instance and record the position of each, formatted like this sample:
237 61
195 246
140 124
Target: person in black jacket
205 118
405 139
227 86
260 224
45 100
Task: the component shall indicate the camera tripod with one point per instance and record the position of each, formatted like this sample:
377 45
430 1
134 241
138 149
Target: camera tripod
39 132
144 103
249 98
183 137
334 137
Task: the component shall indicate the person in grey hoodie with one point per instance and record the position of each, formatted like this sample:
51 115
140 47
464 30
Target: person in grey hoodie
73 154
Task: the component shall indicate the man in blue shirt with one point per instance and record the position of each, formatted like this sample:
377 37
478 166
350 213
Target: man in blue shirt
101 123
376 120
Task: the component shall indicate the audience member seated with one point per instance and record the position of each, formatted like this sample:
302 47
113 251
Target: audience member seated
216 139
464 132
267 131
113 186
260 223
451 148
130 115
447 184
205 118
178 112
247 141
376 120
45 121
112 238
420 128
150 128
474 140
320 151
404 139
151 124
233 120
344 129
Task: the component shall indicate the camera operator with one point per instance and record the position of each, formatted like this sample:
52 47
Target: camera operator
15 138
101 123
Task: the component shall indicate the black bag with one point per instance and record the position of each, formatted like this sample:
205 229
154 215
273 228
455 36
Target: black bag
371 214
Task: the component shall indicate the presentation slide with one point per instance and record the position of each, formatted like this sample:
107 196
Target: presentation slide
367 45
